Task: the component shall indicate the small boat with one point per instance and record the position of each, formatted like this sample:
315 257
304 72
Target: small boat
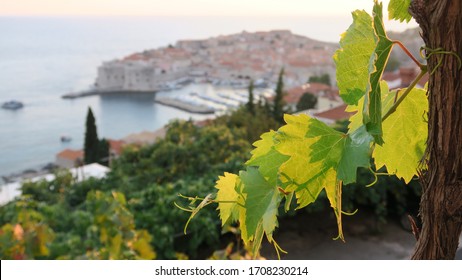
65 138
12 105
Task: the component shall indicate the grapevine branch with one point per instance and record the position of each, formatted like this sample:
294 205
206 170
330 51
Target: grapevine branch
392 109
409 54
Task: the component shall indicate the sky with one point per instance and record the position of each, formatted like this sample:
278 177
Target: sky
182 7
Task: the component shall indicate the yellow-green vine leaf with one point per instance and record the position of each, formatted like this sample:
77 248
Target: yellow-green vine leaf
227 197
267 158
372 112
320 158
357 45
261 203
356 120
405 135
292 141
399 10
342 152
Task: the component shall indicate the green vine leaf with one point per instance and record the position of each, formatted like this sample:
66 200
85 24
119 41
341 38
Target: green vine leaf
372 112
356 120
399 10
405 135
261 203
356 153
267 157
357 45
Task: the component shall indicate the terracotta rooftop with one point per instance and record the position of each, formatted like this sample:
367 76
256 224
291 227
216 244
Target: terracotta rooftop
116 146
335 114
404 76
293 95
70 154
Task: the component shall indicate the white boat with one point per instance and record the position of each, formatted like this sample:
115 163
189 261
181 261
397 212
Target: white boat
12 105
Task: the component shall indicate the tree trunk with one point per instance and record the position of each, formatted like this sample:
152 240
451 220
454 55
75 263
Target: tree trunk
441 202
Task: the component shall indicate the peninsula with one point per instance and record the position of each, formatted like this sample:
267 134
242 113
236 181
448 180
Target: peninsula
224 60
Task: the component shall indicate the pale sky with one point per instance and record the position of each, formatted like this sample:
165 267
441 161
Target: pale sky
183 7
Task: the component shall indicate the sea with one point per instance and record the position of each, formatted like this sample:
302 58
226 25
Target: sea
42 58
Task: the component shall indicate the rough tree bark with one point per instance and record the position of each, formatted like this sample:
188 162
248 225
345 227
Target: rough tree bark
441 202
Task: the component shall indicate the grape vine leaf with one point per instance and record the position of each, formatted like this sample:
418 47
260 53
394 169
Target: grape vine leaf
357 45
292 141
261 203
227 196
399 10
342 152
320 158
356 120
356 153
267 158
322 148
372 112
372 104
405 135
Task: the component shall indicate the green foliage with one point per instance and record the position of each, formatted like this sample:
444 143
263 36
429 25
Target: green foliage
399 10
405 135
307 101
323 79
357 45
372 112
26 236
186 151
243 124
113 229
154 211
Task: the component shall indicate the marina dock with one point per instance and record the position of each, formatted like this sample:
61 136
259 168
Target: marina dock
188 107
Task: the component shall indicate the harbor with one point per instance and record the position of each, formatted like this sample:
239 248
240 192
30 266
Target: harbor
210 99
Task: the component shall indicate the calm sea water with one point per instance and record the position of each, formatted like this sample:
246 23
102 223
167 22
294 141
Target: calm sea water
43 58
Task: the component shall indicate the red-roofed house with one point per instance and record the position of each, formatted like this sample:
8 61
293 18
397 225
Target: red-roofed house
327 96
403 78
115 147
333 115
69 158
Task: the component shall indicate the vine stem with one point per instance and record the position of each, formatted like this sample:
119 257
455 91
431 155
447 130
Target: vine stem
421 66
408 90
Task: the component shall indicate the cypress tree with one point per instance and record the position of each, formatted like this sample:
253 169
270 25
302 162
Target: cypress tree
278 106
250 102
91 144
